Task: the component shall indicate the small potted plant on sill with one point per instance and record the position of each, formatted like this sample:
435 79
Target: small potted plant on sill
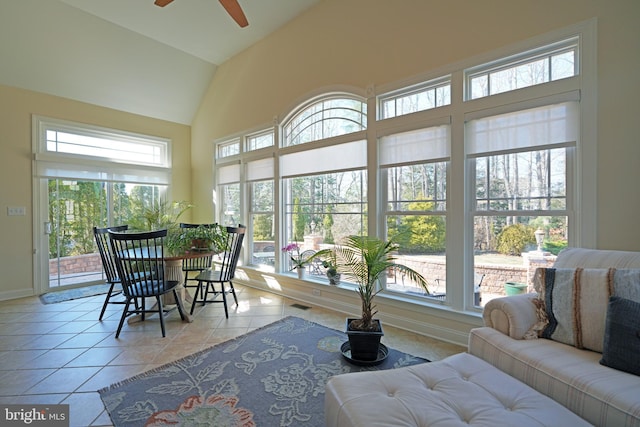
332 270
364 259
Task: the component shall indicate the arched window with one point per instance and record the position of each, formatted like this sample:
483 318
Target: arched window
325 185
325 118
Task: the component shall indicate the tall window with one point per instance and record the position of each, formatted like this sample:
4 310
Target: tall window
521 162
90 176
229 194
325 195
414 168
259 177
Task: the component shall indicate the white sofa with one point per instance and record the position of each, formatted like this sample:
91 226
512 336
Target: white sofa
572 377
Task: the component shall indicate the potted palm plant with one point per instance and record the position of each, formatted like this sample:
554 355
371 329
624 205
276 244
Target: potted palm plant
364 259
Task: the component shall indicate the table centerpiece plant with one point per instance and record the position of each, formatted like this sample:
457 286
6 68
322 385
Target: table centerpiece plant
164 214
205 237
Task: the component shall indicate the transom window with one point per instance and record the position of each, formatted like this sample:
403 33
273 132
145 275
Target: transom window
260 140
102 144
552 62
324 119
229 148
424 97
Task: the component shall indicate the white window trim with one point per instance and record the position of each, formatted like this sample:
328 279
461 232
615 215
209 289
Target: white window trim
460 183
41 124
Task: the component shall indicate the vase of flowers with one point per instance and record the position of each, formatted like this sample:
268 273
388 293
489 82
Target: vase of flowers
298 259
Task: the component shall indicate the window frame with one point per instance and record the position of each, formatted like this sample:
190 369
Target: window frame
460 185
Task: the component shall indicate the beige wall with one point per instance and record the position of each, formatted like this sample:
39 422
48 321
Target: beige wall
362 42
16 109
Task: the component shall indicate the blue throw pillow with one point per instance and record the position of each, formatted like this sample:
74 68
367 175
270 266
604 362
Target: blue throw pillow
621 345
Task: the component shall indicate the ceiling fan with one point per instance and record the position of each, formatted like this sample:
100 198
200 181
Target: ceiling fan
231 6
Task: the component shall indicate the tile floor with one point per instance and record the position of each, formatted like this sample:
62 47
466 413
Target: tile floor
61 353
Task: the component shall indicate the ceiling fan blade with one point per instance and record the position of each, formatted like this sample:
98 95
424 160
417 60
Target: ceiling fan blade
162 3
233 8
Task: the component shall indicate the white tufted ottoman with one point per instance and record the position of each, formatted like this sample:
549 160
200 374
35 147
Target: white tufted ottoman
460 390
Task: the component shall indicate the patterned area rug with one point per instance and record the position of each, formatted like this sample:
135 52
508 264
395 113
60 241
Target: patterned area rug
75 293
273 376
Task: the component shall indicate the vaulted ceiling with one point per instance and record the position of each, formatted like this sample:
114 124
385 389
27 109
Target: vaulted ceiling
130 55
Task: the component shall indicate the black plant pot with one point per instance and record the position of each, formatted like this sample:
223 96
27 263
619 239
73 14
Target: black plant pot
364 344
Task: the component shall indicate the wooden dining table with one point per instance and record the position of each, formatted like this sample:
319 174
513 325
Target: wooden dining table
173 271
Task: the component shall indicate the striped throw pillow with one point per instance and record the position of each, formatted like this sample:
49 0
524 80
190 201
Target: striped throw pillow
575 302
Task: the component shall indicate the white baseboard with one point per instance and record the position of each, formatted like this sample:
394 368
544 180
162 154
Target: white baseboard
19 293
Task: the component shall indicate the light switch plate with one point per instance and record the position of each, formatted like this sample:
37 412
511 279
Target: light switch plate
16 210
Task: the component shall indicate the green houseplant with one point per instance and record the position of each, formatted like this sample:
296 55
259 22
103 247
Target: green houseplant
165 214
330 264
364 259
206 237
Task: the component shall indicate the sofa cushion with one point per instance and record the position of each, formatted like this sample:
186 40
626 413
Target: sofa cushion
622 336
596 258
460 390
576 300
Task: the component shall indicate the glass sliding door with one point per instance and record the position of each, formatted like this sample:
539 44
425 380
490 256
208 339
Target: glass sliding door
74 208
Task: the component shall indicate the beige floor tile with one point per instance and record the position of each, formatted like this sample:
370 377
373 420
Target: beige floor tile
84 408
65 380
102 421
20 359
47 341
56 358
111 375
85 340
79 355
15 383
95 357
34 399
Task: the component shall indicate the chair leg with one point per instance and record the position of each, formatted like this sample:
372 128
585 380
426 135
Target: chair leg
206 292
224 300
179 305
124 315
233 292
106 301
195 297
161 314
